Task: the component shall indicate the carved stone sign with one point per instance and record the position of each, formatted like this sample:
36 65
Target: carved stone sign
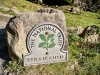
45 43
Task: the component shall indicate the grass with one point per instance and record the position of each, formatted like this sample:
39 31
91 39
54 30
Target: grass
86 65
22 5
50 69
83 19
6 12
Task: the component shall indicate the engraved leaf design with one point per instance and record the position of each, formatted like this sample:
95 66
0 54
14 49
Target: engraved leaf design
50 36
42 37
48 42
52 40
42 44
51 45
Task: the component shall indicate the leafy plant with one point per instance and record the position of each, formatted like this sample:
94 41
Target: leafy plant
87 54
48 41
98 30
16 67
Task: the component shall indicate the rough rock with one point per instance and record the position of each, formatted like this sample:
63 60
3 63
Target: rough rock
18 27
75 10
91 34
77 30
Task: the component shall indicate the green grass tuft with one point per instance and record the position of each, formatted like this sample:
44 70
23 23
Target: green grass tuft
83 19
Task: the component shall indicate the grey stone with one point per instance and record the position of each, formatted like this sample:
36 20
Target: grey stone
77 30
18 28
5 72
4 8
90 34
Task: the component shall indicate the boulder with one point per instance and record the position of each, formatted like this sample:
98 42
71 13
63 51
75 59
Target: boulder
91 34
19 26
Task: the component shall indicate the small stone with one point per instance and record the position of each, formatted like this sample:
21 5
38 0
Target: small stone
79 30
9 73
72 67
99 17
5 72
4 8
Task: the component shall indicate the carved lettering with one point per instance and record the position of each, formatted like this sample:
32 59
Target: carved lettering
60 40
45 58
32 43
44 28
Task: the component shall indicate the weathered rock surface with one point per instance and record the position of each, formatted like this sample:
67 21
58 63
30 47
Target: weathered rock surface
18 27
91 34
78 30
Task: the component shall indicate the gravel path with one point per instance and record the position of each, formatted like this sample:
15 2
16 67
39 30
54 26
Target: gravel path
4 57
